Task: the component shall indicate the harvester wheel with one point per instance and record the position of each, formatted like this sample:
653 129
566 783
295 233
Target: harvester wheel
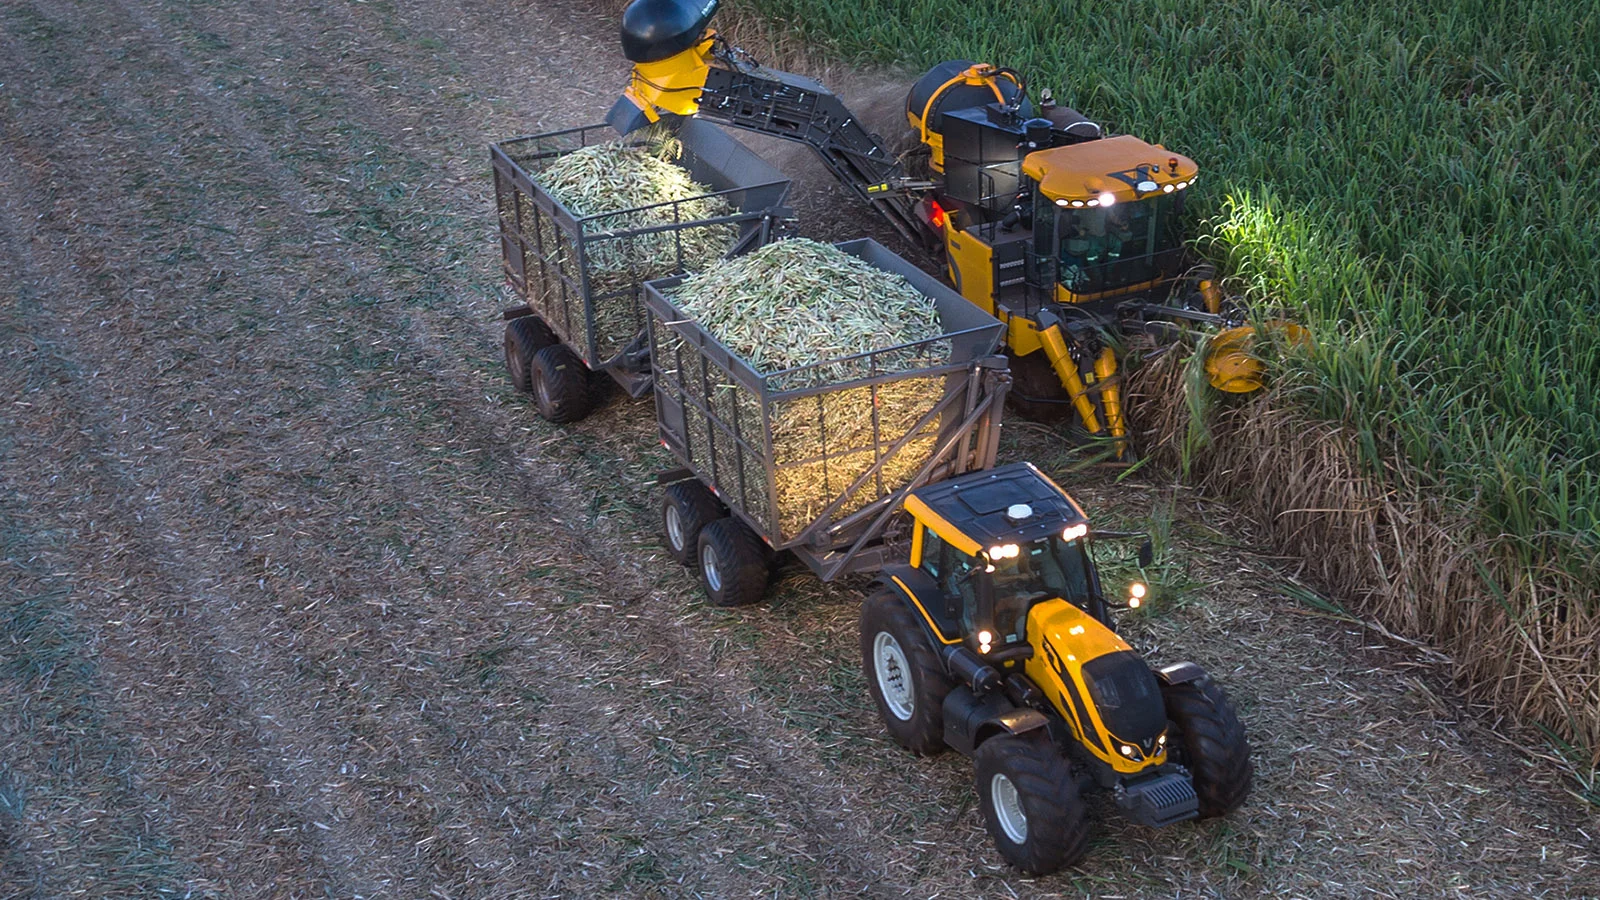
905 678
560 383
1210 742
733 563
686 508
1030 801
525 336
1036 391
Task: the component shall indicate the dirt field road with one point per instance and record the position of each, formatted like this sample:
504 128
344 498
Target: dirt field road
297 599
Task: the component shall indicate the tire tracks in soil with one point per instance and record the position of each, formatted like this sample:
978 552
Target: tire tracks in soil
223 637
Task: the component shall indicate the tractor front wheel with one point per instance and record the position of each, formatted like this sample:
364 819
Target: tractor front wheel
560 384
906 680
525 336
686 508
733 563
1030 801
1210 743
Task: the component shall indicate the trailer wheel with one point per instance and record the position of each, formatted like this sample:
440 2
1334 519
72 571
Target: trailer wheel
733 563
1030 801
525 336
560 384
906 680
686 508
1208 739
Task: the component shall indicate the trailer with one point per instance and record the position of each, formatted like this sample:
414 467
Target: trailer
579 277
816 460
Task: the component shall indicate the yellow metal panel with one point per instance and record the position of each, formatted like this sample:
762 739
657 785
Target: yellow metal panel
1065 296
1055 349
916 546
1087 170
951 535
673 84
971 267
1077 638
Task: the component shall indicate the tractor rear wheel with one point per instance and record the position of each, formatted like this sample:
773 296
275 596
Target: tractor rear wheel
525 336
1031 803
906 680
1210 742
560 384
733 563
687 507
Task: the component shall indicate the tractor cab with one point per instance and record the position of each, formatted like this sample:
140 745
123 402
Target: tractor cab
996 544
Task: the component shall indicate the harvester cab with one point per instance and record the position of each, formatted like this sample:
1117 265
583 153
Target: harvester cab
1071 237
996 638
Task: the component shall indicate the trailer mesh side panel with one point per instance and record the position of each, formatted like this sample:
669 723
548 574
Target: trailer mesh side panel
582 275
797 451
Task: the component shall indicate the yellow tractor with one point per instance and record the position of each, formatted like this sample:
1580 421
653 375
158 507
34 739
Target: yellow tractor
1071 237
997 640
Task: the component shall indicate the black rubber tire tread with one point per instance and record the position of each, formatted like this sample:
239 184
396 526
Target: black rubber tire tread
1058 822
1211 743
525 336
566 395
1036 391
522 341
923 733
697 507
742 562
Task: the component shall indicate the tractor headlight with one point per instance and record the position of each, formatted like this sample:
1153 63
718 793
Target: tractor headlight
1127 751
1136 592
1107 198
1073 532
1161 741
1004 551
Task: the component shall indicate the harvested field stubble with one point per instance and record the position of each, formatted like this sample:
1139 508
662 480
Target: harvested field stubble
297 602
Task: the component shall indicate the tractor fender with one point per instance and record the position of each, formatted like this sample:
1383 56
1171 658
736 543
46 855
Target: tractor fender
910 585
1180 673
969 720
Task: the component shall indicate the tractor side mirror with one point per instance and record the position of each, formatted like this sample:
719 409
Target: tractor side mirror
1147 554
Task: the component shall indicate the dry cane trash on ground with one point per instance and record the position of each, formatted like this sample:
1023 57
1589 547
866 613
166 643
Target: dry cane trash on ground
631 186
797 303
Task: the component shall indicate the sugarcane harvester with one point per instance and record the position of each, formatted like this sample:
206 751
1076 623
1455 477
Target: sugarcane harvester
1070 236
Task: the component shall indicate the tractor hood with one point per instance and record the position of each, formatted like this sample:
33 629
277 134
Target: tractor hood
1100 685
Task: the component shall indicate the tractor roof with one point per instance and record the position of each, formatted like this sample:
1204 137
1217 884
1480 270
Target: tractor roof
980 506
1114 165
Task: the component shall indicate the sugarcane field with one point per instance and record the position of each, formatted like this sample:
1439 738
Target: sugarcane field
789 448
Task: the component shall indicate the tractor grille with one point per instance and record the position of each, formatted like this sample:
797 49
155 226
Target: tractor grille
1160 800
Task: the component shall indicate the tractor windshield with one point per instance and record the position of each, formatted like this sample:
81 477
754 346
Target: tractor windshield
1045 568
1104 248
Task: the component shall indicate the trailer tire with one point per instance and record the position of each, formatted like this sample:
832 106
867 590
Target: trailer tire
525 336
560 385
1030 802
1210 742
904 676
686 508
733 563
